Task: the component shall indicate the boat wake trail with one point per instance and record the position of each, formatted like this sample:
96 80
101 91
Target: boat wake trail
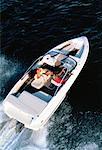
8 135
8 131
13 136
8 70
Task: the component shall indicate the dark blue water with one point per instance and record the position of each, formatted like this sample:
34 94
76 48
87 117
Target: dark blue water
29 29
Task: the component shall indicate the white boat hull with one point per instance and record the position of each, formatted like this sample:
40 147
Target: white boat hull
31 120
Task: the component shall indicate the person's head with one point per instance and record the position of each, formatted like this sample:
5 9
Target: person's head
57 63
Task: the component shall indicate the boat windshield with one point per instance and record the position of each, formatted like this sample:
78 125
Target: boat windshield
69 63
53 53
56 52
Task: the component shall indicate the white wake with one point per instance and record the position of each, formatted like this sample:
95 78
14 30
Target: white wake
13 136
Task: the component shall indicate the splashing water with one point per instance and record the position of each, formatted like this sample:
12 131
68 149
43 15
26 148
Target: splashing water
14 137
3 117
8 70
37 141
88 146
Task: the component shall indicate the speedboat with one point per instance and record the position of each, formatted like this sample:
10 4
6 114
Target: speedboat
43 87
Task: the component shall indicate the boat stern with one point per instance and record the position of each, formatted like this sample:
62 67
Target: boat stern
16 110
25 108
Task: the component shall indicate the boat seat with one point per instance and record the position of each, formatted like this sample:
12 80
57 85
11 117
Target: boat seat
27 102
55 83
40 82
52 61
59 58
49 60
44 96
13 100
24 108
33 102
17 110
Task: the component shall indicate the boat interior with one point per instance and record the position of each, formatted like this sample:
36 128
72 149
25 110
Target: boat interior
42 81
50 72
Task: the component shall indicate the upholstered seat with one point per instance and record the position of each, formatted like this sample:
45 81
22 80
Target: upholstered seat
25 107
40 82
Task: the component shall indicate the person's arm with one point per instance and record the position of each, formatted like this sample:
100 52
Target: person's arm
62 71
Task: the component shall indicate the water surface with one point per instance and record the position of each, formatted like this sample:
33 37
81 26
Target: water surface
31 28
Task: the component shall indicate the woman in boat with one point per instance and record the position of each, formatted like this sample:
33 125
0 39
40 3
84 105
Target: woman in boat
41 71
59 77
41 78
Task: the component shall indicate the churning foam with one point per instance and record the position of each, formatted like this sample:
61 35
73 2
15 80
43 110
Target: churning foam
12 137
